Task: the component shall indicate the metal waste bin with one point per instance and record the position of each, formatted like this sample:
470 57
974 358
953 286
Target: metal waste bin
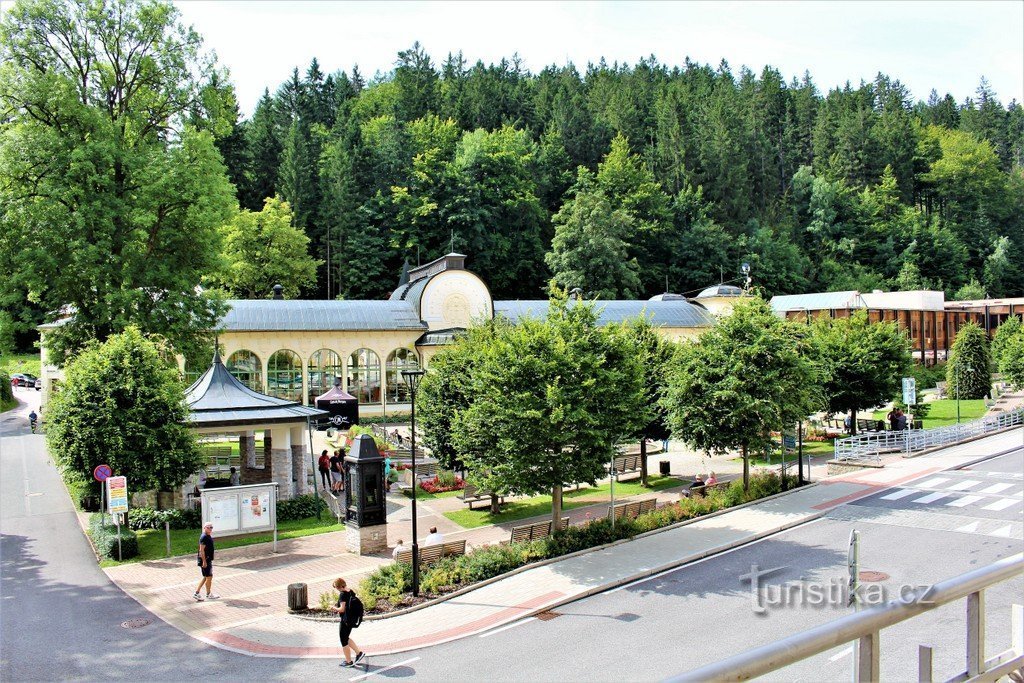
664 467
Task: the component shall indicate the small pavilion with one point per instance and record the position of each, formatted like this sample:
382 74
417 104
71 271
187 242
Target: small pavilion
219 404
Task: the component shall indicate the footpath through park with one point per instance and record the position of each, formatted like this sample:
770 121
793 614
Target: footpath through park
252 615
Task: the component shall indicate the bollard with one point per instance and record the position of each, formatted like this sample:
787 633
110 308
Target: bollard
298 597
167 535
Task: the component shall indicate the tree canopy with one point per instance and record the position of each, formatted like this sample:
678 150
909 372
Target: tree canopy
968 372
123 404
111 197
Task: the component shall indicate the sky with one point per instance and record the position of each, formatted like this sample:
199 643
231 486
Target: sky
948 46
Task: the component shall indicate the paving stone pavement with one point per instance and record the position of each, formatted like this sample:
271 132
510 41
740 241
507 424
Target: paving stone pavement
251 618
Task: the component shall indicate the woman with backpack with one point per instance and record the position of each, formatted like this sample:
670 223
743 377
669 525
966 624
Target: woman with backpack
350 607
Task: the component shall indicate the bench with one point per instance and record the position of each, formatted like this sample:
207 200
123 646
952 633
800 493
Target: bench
533 532
631 509
432 553
870 425
699 491
627 464
471 494
424 470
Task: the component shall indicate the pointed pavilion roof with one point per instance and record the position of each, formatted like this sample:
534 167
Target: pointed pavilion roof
218 399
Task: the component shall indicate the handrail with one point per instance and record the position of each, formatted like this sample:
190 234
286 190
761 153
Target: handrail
773 656
862 447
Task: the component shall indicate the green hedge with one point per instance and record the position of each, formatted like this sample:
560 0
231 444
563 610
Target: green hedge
390 582
147 518
105 539
299 507
6 393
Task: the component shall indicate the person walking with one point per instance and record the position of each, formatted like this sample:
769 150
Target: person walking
336 461
235 478
387 473
205 562
324 465
344 628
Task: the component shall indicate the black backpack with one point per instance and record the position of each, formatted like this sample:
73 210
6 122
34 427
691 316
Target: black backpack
353 615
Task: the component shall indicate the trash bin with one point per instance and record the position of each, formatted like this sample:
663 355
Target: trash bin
664 467
298 600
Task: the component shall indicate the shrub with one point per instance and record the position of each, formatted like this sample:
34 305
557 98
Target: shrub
328 600
6 393
387 583
299 507
445 481
147 518
104 536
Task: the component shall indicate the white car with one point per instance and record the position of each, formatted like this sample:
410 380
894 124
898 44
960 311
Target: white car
39 384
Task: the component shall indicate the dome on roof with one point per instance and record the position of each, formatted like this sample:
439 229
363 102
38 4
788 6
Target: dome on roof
720 290
667 296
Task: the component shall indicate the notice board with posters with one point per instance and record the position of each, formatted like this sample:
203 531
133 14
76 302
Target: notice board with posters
240 509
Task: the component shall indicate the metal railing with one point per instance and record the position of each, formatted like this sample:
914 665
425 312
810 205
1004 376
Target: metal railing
869 447
864 627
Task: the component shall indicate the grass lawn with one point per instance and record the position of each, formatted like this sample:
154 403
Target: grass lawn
811 449
152 542
7 405
423 495
943 412
20 362
541 505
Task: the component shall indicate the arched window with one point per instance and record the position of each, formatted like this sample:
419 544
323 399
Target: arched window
284 375
324 366
247 369
398 360
364 376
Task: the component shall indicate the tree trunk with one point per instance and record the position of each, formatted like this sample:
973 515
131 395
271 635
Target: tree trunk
853 422
746 469
556 507
495 506
643 462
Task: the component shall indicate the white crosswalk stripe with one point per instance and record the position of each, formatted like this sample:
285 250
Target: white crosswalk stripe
1003 532
965 501
931 497
902 493
968 528
1002 504
960 486
996 488
933 483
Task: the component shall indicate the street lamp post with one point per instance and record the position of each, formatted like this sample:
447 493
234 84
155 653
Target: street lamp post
412 378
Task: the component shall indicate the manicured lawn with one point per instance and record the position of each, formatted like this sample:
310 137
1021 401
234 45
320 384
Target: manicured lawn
811 449
541 505
20 362
152 542
423 495
943 412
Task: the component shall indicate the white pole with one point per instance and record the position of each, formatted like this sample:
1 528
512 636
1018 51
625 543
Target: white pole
611 471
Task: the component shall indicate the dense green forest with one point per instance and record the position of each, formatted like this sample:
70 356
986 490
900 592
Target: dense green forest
694 169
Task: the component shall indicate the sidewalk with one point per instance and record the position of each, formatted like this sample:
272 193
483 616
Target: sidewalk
252 619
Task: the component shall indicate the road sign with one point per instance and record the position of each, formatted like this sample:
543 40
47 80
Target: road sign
910 391
117 494
101 473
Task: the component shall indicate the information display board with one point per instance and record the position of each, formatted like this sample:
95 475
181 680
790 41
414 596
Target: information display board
117 494
240 509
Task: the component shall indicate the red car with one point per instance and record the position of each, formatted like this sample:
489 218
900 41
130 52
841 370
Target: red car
22 380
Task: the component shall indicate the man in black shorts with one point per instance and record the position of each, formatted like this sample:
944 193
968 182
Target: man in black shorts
205 562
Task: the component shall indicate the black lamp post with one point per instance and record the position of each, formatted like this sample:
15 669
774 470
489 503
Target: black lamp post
412 378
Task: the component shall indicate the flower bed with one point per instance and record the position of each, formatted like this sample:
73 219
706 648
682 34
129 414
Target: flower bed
388 588
441 484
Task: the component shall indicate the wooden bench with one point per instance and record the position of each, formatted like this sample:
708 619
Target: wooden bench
432 553
627 464
424 470
631 509
870 425
699 491
533 532
471 494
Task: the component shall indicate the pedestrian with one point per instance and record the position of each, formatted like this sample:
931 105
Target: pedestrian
434 538
398 548
335 462
205 562
387 472
664 444
901 420
846 424
235 478
202 479
324 465
892 417
344 629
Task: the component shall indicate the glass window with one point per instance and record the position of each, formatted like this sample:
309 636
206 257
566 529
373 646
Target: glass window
247 369
324 366
364 376
284 376
400 359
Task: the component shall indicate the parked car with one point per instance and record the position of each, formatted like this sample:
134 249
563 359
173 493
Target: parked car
39 384
22 380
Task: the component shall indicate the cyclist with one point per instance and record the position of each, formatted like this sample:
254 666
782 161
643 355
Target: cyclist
32 419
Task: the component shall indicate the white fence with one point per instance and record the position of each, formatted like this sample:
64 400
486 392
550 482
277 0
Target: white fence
870 446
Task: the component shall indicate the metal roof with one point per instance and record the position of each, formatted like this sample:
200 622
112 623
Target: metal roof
820 301
720 290
254 315
673 313
441 337
219 399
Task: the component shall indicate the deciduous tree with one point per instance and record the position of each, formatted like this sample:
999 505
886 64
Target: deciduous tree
968 372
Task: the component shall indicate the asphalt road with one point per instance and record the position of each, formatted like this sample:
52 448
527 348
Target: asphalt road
61 619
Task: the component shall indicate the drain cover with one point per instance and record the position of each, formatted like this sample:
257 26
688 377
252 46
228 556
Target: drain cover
548 616
134 623
872 576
